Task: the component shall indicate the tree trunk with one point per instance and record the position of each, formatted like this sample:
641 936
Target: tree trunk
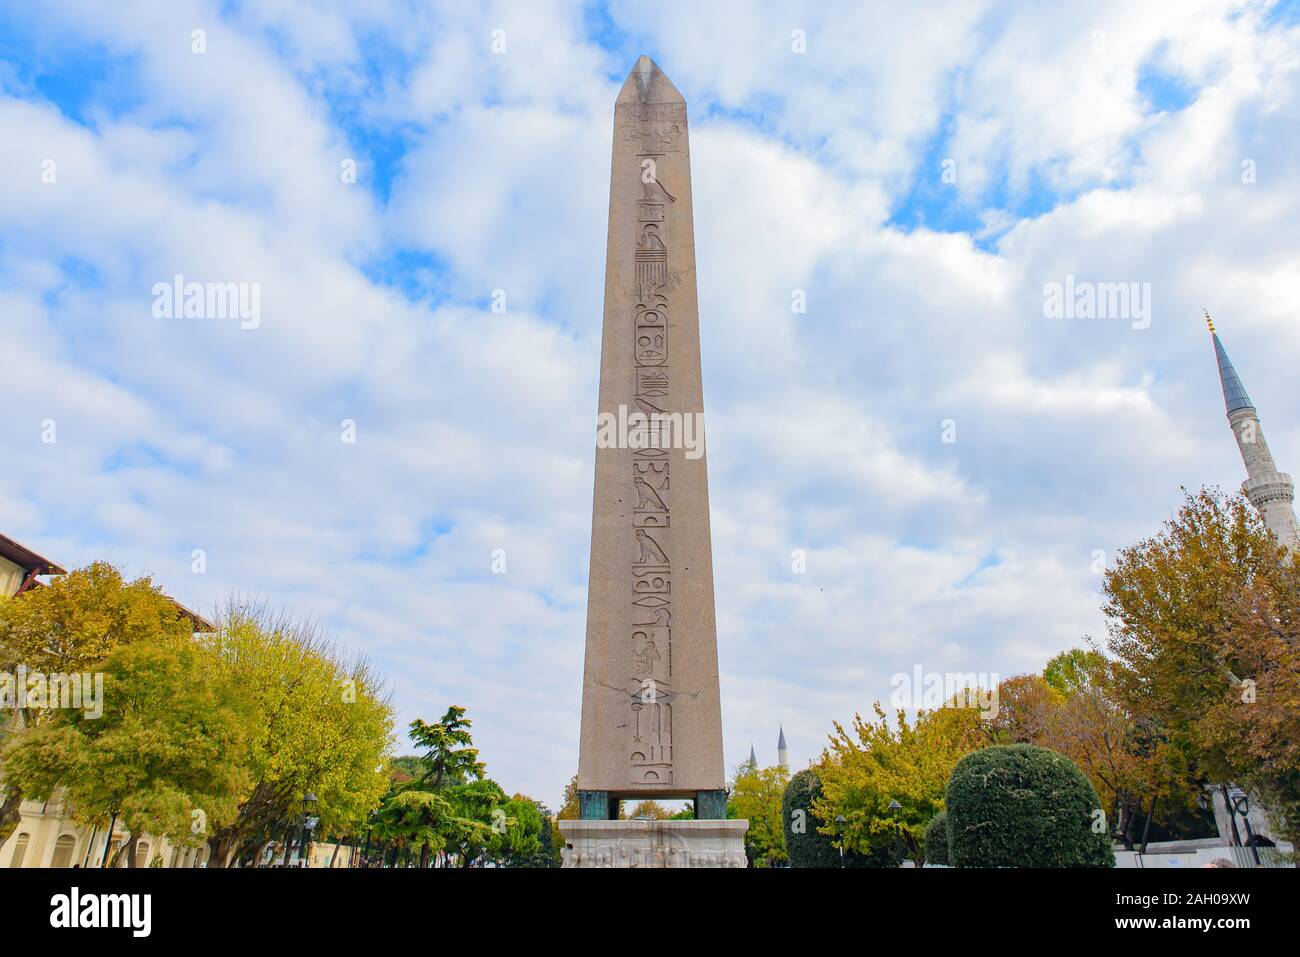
1146 828
424 856
1126 818
218 848
131 846
10 814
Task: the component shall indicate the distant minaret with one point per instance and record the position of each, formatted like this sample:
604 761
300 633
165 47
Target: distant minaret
1269 490
782 754
753 758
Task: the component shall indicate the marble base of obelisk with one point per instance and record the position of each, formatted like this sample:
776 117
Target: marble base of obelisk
654 843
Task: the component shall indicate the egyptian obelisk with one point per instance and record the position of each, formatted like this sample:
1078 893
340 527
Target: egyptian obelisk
651 715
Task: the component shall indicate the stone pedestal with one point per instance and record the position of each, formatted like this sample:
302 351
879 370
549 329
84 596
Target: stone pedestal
654 843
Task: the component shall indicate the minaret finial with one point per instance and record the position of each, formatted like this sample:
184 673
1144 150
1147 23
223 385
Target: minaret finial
1209 321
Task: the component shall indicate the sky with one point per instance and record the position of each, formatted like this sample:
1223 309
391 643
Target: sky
953 461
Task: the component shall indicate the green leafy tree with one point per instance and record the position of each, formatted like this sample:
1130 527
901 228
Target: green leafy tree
418 819
71 626
448 757
522 842
319 725
481 827
806 846
1075 670
936 839
163 758
80 618
867 769
756 796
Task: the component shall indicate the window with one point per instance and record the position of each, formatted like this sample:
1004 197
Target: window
63 848
20 849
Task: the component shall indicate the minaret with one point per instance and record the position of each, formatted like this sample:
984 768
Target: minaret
1269 490
782 753
753 758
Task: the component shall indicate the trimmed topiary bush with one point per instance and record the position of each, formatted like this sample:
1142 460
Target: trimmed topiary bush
1019 805
809 849
936 839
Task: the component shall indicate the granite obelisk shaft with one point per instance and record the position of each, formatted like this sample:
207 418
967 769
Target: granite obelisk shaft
651 716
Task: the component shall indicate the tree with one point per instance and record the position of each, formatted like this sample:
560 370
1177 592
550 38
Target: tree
522 841
163 758
936 839
448 757
418 819
570 810
1075 670
757 796
866 770
1025 705
805 844
71 626
651 810
481 824
549 853
76 621
1170 602
1130 765
1192 612
1260 712
444 804
1019 805
320 725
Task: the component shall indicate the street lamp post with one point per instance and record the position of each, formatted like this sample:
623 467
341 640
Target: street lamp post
1232 816
839 819
894 808
309 823
1241 803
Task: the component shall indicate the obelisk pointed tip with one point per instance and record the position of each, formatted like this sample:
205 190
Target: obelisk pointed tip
647 83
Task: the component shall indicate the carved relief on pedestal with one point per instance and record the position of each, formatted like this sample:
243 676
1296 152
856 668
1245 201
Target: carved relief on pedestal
629 854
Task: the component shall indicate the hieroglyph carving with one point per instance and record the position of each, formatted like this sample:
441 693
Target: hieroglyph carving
654 129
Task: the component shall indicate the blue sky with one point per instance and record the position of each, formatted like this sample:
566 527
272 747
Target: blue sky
919 174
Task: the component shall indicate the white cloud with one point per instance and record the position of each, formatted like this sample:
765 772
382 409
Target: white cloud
474 428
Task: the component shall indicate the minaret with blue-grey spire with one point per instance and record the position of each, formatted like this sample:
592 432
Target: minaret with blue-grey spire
1269 490
782 754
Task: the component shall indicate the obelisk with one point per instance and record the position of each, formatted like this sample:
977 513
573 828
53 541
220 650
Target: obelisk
651 714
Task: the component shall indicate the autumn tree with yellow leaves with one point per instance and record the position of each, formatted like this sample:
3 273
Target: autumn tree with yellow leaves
870 765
